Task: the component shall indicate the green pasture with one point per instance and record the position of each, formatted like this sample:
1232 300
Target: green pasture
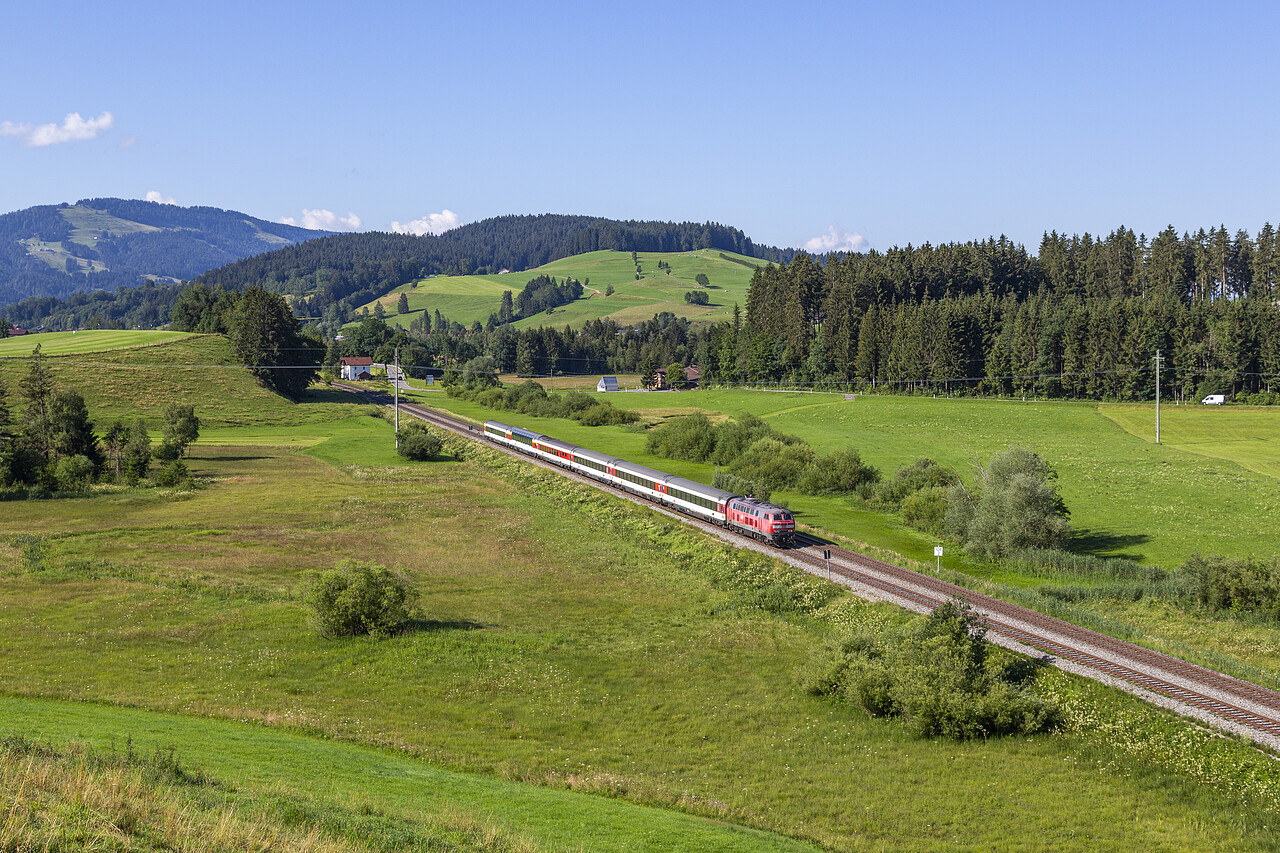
87 224
1211 486
590 657
1249 436
569 643
328 774
466 299
1157 503
84 342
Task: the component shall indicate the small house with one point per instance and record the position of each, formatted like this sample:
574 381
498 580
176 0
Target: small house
607 383
357 368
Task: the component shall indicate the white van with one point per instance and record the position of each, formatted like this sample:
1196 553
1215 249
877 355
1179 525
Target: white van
1214 400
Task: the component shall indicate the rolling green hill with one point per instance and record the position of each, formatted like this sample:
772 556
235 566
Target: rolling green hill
466 299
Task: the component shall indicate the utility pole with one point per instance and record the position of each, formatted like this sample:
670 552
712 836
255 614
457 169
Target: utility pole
1159 360
395 383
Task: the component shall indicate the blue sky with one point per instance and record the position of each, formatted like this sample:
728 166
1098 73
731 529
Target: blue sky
869 124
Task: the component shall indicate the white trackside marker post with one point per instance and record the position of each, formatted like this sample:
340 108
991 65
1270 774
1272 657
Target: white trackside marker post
826 555
937 553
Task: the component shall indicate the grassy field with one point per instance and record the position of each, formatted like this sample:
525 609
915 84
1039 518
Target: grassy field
292 780
1249 436
81 343
575 680
466 299
1127 495
588 658
1205 488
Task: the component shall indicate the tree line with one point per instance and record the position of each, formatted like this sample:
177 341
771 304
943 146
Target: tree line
1084 319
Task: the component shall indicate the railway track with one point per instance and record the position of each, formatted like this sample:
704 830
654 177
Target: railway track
1235 704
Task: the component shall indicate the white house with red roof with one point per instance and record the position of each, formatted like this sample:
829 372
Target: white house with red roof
356 368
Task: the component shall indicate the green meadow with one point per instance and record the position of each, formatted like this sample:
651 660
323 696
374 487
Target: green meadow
1210 486
1203 489
575 680
590 658
79 343
466 299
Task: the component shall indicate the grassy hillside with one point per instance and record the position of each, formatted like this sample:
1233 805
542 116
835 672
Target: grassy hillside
470 298
255 783
196 370
80 343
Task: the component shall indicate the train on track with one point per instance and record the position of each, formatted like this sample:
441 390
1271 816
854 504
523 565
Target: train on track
755 518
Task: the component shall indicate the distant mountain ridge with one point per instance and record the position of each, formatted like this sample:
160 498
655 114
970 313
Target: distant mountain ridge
328 277
108 243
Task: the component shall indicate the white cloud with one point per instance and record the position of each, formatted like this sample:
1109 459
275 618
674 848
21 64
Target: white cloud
432 223
155 196
326 220
73 127
836 240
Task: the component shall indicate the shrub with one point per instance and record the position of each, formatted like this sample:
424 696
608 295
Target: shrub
1241 585
137 453
937 677
74 473
926 509
739 485
734 437
173 474
840 472
924 473
694 438
1018 507
418 443
773 463
530 398
691 437
357 598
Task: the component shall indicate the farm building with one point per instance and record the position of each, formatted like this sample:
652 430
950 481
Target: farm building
607 383
691 377
356 368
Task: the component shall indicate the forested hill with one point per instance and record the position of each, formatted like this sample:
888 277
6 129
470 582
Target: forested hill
328 277
107 243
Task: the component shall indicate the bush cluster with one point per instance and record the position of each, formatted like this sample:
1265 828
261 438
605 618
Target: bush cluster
936 675
530 398
357 598
418 443
758 458
739 485
1241 585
